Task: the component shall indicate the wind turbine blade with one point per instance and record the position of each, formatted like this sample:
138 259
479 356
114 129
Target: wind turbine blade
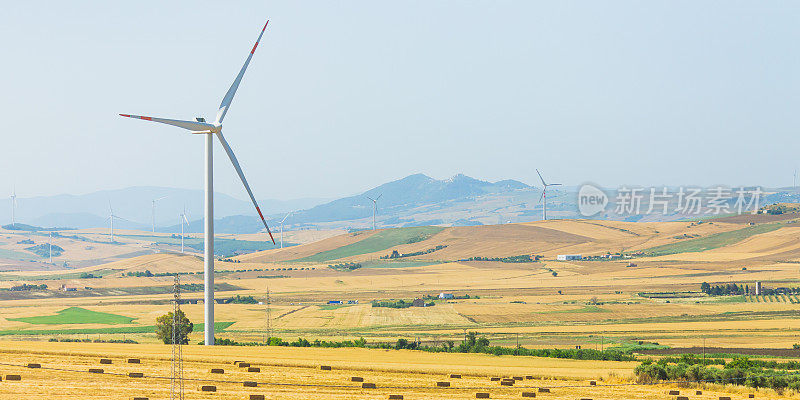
371 199
540 177
553 184
161 198
379 197
185 220
190 125
226 101
542 196
124 219
238 168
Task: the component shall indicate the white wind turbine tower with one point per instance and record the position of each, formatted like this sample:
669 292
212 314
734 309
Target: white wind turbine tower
183 220
154 211
201 127
13 207
374 208
543 198
282 221
111 217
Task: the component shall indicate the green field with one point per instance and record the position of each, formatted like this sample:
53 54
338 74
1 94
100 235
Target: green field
382 240
222 247
76 315
218 327
712 241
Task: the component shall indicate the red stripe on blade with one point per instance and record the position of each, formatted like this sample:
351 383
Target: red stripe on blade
146 118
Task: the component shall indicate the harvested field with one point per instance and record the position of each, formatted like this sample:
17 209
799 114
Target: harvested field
411 374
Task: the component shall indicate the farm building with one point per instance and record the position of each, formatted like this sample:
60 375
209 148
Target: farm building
446 295
568 257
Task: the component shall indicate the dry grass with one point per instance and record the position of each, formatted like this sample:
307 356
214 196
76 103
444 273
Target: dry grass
416 372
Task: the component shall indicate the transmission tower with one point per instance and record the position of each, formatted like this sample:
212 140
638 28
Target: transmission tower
268 330
176 393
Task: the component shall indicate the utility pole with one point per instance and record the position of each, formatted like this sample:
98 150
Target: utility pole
50 246
176 392
268 330
704 351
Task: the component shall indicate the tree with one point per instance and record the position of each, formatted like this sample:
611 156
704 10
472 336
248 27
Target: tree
164 328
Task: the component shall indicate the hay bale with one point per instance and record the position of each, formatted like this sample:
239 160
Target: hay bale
682 398
395 397
237 362
243 365
544 390
699 392
256 397
674 392
366 385
105 361
325 367
217 371
96 370
480 395
751 396
356 379
724 398
134 361
442 384
528 394
518 378
208 388
495 378
140 398
135 375
34 365
507 382
13 378
592 383
455 376
529 377
253 369
250 384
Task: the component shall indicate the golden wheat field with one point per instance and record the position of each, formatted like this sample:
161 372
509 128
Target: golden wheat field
595 304
288 373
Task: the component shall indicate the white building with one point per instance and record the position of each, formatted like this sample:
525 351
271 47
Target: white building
568 257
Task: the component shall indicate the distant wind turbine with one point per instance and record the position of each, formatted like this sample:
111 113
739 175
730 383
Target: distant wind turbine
374 208
111 217
154 211
284 219
543 199
13 207
183 220
209 130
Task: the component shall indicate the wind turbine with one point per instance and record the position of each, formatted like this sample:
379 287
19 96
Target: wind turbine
154 211
111 217
284 219
13 206
183 220
201 127
374 208
543 198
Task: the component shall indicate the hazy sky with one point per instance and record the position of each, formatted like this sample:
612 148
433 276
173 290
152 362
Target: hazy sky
344 95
